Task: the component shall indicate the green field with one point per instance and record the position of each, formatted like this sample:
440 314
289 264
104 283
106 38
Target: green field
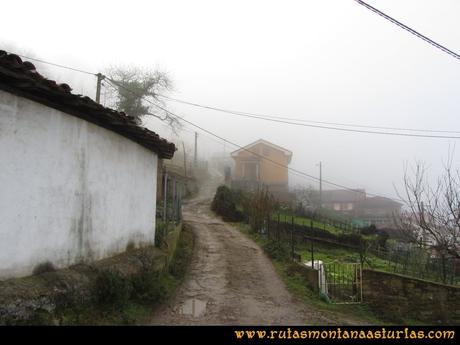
285 218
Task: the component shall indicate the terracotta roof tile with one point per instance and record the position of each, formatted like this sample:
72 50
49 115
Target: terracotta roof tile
21 78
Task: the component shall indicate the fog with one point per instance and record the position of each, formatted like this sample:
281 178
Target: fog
331 61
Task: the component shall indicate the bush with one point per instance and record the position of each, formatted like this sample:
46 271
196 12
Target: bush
43 268
151 286
183 253
276 250
112 289
382 238
369 230
224 204
353 239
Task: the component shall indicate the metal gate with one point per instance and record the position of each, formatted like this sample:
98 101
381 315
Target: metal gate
343 282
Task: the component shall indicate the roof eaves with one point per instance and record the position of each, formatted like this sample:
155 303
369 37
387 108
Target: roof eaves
22 79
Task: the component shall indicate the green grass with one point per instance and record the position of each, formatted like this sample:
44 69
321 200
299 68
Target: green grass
334 254
297 285
285 218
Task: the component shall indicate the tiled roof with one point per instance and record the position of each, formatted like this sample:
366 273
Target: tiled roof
379 202
343 195
264 142
21 78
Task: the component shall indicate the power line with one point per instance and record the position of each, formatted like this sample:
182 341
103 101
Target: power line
189 130
286 120
299 173
116 84
57 65
241 147
412 31
306 121
278 120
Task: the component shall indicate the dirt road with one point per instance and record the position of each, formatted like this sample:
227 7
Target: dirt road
230 281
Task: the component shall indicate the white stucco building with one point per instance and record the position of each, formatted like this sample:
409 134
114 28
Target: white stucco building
77 180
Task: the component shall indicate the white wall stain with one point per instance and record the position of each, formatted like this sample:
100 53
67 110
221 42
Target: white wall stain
70 191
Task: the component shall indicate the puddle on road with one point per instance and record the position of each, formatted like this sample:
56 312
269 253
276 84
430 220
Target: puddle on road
193 307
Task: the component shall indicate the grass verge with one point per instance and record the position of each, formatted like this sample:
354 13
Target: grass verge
296 283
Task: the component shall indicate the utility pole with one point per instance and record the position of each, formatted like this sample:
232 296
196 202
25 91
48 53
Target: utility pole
165 196
100 78
320 185
196 149
292 238
185 160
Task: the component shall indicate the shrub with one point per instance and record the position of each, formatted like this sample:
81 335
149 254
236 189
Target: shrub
352 239
112 289
183 254
224 204
151 286
369 230
43 268
276 250
382 238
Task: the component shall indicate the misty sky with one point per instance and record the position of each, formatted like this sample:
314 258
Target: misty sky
331 61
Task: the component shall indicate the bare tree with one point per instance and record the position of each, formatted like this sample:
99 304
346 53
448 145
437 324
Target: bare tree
136 92
432 217
259 204
307 197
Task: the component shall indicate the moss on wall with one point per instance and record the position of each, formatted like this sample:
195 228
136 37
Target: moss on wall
42 298
401 299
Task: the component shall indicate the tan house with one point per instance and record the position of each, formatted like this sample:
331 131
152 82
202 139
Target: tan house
261 164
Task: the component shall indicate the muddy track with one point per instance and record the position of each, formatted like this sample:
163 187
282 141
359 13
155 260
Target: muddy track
230 281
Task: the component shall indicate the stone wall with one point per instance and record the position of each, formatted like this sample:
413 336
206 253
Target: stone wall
25 300
310 274
399 298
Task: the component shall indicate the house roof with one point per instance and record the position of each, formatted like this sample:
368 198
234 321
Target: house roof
379 202
343 195
262 141
21 78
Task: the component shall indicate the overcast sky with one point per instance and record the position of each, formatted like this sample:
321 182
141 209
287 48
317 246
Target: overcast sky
332 61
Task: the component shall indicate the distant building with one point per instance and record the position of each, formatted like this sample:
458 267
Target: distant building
355 204
378 211
261 163
342 200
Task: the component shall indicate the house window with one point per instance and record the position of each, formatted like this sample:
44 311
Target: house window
336 207
349 206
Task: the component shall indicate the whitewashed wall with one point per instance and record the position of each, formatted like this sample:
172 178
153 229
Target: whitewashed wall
70 191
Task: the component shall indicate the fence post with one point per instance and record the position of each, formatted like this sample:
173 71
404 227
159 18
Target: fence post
179 203
165 196
174 201
292 237
312 256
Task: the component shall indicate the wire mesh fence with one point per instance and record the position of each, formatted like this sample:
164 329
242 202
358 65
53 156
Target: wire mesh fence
401 258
